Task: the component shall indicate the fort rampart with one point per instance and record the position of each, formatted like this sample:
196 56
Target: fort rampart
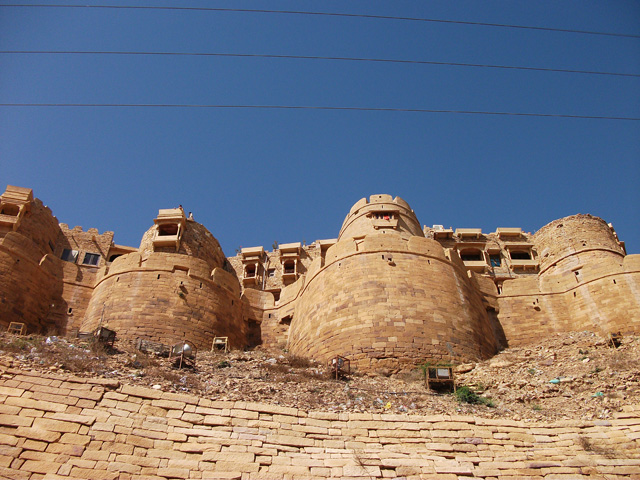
385 294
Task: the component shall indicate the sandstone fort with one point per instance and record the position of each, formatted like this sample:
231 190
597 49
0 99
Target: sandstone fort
386 293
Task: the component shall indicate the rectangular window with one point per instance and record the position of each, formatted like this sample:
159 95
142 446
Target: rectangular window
471 256
91 259
520 255
69 255
167 230
495 260
271 272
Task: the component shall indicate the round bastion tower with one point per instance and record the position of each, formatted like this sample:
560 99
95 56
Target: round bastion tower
30 275
174 288
385 296
594 282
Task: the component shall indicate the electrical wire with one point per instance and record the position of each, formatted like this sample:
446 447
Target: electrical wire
332 14
311 107
311 57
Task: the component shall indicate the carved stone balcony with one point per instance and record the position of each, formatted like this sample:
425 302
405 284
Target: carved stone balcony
503 232
170 227
525 264
475 265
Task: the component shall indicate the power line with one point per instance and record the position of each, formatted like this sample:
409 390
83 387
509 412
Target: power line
311 107
333 14
312 57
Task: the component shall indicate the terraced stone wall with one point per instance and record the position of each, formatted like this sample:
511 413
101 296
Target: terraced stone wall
56 428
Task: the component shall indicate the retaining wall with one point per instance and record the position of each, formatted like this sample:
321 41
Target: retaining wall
55 427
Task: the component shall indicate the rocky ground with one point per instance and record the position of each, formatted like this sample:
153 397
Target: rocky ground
571 376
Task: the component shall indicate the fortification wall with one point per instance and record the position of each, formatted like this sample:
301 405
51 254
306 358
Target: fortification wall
196 242
39 225
58 427
30 277
167 298
607 303
585 283
572 236
89 253
386 302
382 295
77 288
30 284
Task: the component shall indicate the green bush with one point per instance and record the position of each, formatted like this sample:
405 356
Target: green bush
465 395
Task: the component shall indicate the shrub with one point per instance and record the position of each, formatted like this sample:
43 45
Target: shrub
465 395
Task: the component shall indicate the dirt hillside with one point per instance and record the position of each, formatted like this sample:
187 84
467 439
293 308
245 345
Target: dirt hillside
573 376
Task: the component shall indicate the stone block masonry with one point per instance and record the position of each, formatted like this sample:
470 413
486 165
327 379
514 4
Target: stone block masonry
100 429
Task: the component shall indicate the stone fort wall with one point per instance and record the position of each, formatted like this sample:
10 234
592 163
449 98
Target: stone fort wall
387 300
385 293
29 272
91 252
167 298
60 427
585 283
169 294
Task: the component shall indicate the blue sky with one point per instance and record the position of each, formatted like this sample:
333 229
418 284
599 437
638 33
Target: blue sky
255 176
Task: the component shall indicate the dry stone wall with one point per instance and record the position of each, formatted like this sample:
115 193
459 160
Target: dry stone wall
60 427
